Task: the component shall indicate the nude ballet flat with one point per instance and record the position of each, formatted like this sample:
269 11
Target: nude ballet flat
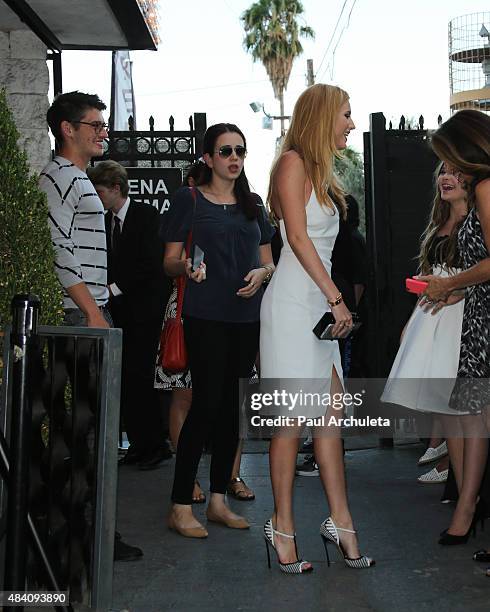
239 523
187 532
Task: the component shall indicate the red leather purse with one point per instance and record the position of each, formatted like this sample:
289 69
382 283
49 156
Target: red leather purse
173 352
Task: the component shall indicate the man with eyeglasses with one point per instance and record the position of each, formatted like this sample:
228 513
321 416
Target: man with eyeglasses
76 221
76 214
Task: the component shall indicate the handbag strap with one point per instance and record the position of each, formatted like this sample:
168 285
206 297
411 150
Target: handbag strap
182 280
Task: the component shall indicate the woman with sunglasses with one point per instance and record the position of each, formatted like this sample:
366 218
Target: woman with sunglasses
306 197
221 315
463 144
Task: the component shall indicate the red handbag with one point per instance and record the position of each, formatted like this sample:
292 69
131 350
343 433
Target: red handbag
173 352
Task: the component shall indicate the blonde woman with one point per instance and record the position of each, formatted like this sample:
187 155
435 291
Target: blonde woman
307 200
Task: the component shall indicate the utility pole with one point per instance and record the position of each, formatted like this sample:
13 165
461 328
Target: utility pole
310 76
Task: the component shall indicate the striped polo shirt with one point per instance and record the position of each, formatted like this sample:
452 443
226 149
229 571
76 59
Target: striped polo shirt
76 221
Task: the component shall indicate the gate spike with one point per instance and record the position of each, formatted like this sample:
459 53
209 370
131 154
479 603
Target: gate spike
439 119
421 122
402 123
152 122
171 122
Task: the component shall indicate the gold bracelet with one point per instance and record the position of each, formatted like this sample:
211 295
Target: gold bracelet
270 272
335 302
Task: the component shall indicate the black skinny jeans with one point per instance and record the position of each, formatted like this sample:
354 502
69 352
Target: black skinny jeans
219 355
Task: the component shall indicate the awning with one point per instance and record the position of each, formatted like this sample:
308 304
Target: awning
80 24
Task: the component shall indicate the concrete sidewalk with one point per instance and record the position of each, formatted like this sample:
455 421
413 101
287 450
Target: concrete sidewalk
398 522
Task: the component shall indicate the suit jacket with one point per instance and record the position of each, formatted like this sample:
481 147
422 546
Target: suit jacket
136 266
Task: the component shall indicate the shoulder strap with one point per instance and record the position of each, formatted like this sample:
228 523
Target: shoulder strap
182 280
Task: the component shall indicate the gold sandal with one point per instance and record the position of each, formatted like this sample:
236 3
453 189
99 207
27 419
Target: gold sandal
237 489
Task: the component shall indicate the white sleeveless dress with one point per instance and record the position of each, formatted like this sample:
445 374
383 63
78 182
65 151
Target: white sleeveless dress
291 307
426 366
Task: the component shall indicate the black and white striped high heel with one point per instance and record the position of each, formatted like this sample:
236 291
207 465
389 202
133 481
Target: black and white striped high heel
296 567
329 532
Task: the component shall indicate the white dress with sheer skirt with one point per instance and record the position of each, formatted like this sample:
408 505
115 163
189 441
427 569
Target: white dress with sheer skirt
291 307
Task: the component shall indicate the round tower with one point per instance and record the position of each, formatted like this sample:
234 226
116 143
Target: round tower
469 62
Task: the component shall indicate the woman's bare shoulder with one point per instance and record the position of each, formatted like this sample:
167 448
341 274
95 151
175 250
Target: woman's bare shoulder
483 187
290 161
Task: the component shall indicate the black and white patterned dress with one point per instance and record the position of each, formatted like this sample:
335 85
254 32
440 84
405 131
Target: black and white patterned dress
472 389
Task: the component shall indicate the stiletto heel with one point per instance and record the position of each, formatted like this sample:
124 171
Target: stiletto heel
296 567
324 539
329 533
268 553
448 539
481 513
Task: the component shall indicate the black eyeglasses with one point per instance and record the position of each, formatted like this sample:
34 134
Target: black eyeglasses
97 125
226 150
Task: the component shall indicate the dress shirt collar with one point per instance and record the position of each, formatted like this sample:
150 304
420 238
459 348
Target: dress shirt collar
121 213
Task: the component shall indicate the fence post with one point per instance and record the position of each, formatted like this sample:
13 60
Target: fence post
377 217
200 127
25 312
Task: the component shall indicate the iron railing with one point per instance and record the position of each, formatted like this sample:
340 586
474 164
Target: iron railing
74 390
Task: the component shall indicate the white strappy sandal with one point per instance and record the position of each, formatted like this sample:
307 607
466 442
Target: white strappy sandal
329 533
296 567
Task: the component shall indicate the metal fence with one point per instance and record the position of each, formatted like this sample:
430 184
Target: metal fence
167 148
74 390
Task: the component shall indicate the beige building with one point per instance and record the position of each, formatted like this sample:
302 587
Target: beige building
33 32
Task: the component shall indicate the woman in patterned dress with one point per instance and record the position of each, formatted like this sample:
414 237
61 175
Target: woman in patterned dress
463 144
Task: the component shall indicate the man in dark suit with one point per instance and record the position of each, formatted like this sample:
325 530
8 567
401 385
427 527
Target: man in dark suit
138 292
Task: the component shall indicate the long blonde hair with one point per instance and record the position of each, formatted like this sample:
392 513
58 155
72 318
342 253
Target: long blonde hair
311 134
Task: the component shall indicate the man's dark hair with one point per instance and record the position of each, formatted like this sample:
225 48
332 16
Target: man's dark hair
71 107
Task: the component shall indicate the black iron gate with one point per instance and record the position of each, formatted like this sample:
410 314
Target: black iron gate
155 148
156 160
399 170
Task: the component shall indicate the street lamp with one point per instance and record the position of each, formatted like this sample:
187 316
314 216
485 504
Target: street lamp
267 121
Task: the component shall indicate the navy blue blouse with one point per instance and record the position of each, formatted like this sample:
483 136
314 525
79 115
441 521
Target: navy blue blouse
230 242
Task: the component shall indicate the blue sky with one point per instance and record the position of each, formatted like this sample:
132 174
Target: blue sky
391 57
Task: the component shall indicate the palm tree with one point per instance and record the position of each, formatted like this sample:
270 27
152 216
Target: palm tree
272 36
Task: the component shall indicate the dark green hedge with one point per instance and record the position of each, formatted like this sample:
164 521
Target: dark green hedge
26 251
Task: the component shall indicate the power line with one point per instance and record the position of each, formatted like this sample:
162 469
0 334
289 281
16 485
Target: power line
346 26
238 84
331 37
162 93
236 15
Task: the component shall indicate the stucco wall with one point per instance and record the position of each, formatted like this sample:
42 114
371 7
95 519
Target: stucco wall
24 75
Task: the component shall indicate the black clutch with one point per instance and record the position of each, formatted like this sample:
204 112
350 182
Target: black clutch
323 329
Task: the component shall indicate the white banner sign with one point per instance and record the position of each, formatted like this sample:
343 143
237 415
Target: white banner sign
122 91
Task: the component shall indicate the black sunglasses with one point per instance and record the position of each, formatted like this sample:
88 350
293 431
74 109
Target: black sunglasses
226 150
97 125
